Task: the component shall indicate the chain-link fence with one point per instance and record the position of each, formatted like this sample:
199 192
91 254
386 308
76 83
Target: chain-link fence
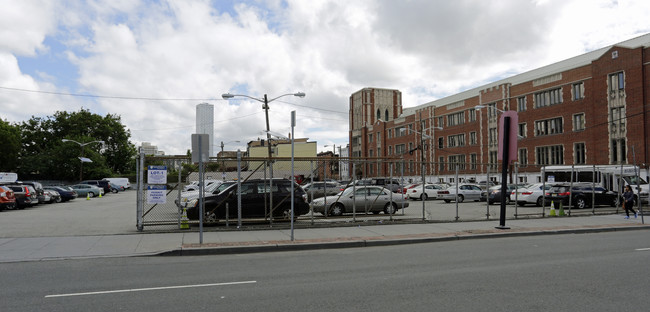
265 199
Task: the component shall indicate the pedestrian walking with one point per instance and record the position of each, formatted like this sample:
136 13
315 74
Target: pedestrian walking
628 203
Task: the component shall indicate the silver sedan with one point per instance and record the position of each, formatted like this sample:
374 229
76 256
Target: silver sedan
465 191
362 199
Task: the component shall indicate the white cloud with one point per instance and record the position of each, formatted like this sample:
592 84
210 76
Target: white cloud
193 51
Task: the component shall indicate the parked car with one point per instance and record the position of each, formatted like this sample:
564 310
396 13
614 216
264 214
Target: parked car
87 190
430 191
194 185
123 182
103 184
66 192
255 200
7 198
214 189
531 194
22 195
320 189
365 199
116 188
465 191
494 193
54 196
38 189
581 195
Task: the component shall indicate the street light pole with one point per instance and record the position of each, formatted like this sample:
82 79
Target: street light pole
81 158
266 102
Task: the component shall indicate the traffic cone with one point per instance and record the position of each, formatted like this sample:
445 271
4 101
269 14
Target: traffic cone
100 194
184 220
561 212
87 196
552 213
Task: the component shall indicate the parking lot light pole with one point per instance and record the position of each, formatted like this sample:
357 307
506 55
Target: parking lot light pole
81 158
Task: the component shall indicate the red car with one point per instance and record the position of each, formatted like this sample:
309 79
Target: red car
7 198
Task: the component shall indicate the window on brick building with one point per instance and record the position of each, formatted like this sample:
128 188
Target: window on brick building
378 114
550 155
521 104
522 130
493 160
579 155
441 142
548 126
472 138
523 157
386 115
577 91
473 160
579 122
492 110
618 151
548 98
441 163
457 161
618 119
370 138
472 114
617 81
492 136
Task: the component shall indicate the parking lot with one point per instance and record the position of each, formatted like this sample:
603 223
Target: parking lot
113 213
116 214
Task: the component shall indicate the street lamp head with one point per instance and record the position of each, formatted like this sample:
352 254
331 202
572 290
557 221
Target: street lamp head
478 107
64 140
299 94
227 96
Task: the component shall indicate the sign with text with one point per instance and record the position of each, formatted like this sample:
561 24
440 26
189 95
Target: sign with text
156 194
200 142
157 174
8 177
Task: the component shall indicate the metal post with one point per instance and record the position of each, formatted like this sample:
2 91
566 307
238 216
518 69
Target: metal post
238 189
390 167
354 191
293 125
543 191
180 209
457 192
638 186
268 141
516 166
504 170
140 197
593 190
201 188
570 189
423 165
311 189
487 192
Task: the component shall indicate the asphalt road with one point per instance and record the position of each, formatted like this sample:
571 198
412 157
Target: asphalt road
589 272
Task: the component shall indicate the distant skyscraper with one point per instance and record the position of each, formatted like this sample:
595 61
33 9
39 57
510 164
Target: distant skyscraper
205 122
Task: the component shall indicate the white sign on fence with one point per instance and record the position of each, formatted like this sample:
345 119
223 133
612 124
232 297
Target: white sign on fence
157 174
156 194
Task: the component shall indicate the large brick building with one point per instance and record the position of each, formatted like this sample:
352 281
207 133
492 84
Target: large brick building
590 109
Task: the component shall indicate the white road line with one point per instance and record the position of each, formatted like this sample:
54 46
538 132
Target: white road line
147 289
642 249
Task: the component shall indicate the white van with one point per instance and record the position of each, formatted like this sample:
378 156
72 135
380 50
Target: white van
120 181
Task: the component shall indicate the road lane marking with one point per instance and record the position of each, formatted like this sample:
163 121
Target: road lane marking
147 289
642 249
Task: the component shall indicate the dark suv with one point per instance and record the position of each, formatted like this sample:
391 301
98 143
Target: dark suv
253 195
581 195
106 185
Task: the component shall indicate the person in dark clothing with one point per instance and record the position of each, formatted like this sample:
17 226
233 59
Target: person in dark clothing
628 196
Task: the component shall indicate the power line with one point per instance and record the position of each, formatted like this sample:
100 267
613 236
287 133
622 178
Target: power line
108 96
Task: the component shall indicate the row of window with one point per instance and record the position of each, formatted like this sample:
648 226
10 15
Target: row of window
546 155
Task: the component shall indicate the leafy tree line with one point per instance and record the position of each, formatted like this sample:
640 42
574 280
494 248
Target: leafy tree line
34 148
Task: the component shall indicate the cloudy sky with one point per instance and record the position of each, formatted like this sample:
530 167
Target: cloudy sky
151 62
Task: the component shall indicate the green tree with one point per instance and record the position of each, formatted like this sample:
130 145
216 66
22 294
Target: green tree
45 156
10 154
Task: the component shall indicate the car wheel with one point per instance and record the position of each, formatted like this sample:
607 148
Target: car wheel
91 194
376 212
390 208
114 190
540 201
490 202
581 203
521 204
424 196
461 198
337 209
447 201
58 200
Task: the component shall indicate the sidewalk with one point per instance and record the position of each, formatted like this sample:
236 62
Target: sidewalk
228 242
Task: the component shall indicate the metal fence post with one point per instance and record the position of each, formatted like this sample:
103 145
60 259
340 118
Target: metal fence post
140 195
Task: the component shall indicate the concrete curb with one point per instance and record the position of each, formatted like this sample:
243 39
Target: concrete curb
247 247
